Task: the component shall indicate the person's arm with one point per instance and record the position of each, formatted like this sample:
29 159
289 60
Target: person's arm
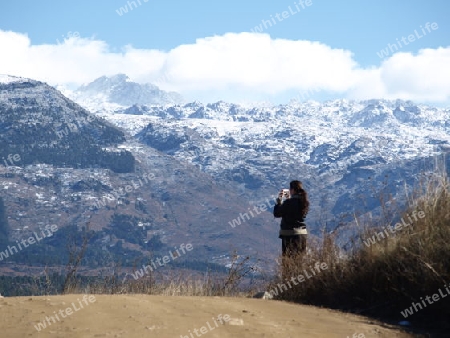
278 208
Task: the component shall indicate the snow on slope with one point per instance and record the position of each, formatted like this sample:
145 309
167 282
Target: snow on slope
331 146
7 79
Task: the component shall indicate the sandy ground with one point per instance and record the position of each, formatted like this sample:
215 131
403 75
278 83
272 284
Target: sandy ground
141 316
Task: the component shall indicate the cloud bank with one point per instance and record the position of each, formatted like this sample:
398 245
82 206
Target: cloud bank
234 66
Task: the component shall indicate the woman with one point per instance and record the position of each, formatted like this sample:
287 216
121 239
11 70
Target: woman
293 211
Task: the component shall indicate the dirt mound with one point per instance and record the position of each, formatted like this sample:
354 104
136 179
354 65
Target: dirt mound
140 316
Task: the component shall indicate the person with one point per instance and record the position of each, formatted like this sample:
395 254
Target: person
293 210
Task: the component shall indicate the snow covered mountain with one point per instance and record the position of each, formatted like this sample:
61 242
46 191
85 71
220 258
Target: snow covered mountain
348 153
62 165
119 90
39 124
351 155
210 163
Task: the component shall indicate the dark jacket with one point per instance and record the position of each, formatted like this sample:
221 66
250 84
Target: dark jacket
290 213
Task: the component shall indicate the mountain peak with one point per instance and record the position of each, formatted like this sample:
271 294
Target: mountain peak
105 83
7 79
119 89
120 78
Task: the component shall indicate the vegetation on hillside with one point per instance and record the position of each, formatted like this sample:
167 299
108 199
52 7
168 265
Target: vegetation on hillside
66 145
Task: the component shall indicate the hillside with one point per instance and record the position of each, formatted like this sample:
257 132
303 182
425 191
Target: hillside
69 168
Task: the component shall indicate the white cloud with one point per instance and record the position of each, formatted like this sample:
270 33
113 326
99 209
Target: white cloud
234 66
426 75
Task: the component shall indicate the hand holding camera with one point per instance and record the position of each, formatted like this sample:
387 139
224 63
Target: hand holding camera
283 195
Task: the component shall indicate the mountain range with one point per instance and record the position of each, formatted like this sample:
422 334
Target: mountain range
80 172
347 153
209 164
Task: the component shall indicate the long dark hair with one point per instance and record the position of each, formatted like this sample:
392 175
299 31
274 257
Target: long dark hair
298 188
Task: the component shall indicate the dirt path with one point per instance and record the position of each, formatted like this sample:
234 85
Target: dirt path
142 316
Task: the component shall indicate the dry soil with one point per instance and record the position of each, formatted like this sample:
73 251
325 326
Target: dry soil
141 316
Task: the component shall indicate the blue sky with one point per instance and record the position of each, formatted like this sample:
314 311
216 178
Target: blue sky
161 39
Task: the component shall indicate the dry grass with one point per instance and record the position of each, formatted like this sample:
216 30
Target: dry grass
178 282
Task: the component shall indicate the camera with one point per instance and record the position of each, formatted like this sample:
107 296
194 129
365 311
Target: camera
286 193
